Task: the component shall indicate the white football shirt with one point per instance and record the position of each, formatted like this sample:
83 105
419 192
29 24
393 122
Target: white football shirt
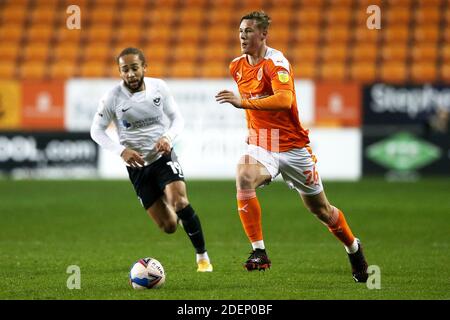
139 118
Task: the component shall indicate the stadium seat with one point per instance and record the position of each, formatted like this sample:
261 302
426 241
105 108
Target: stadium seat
396 33
182 70
42 33
364 35
338 16
444 73
423 72
214 70
308 34
364 52
189 34
154 51
161 16
102 15
191 16
92 69
98 52
15 15
63 69
36 52
218 16
427 15
301 53
424 52
158 33
10 52
7 69
308 17
394 52
131 16
282 15
279 32
66 51
128 34
397 16
43 15
333 71
445 53
393 72
187 52
68 36
426 33
334 52
10 34
337 34
306 70
99 34
364 71
32 70
219 34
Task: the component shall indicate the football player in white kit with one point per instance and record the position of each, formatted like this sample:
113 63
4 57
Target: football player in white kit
137 106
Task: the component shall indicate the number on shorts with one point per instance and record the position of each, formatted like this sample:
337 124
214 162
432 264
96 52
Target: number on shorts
176 168
312 177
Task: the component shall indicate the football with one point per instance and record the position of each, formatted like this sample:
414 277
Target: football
147 273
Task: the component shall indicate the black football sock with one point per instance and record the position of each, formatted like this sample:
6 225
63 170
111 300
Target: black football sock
193 228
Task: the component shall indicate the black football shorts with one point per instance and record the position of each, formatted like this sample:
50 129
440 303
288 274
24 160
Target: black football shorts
149 181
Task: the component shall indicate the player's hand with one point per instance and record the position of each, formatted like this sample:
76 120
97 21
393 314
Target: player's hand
132 158
163 145
225 96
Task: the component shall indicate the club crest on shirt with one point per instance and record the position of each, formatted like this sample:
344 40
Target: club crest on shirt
157 101
259 74
283 76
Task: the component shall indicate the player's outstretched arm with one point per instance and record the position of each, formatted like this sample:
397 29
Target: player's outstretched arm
226 96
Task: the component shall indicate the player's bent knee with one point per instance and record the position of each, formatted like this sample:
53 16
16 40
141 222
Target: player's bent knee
169 227
245 180
180 203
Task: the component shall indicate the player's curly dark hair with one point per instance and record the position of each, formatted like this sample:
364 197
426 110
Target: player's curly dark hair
262 19
131 50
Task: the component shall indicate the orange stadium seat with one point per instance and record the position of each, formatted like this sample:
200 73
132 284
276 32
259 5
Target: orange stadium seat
393 72
427 15
396 33
397 16
305 70
364 35
308 16
102 15
158 33
431 3
308 34
10 52
132 16
337 34
424 72
154 51
424 53
7 69
165 3
216 52
160 16
337 17
301 53
280 32
444 72
13 15
399 3
187 52
182 70
397 52
363 4
334 52
98 52
364 52
10 34
37 52
63 69
128 34
364 71
445 53
333 71
214 70
281 16
197 3
43 15
66 51
32 70
312 3
92 69
157 70
99 33
65 35
189 34
219 16
42 33
219 34
191 15
426 34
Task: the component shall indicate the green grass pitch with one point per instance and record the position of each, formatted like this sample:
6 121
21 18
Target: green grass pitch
46 226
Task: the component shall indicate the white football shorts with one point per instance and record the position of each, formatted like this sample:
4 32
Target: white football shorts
297 167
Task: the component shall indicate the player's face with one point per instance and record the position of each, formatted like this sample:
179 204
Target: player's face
252 38
132 72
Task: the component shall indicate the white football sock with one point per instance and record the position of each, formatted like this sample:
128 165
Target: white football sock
202 256
258 245
353 247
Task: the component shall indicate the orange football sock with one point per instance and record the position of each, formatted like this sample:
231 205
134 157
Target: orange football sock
250 214
339 227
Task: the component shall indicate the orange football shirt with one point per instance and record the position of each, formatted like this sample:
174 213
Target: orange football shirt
276 131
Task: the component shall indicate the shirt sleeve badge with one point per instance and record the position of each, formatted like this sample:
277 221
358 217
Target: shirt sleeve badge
283 76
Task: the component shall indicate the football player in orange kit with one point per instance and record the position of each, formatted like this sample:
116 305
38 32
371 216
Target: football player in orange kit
277 143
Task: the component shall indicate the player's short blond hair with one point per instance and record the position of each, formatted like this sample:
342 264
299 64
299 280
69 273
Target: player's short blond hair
262 19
